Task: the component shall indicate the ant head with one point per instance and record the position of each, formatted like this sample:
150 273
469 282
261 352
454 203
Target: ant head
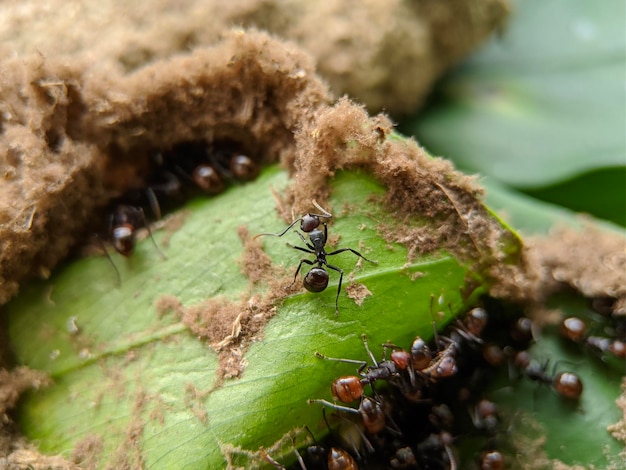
123 237
208 179
347 388
420 354
568 385
309 222
243 168
316 280
400 358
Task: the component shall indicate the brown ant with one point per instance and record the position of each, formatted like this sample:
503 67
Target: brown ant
575 330
316 280
350 388
566 384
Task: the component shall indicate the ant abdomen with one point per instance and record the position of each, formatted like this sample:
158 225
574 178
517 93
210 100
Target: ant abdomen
339 459
123 239
568 385
347 388
243 168
316 280
208 179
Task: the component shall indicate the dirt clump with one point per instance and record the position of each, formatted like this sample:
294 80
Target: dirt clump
386 55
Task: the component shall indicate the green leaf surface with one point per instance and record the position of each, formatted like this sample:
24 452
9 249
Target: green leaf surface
143 386
542 105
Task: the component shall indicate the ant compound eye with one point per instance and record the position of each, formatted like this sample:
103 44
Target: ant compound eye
243 168
316 280
347 389
568 385
309 222
208 179
124 239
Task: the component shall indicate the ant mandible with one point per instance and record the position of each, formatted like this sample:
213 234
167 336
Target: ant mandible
316 280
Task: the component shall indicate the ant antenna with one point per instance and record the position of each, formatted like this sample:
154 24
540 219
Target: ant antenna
106 253
150 234
309 221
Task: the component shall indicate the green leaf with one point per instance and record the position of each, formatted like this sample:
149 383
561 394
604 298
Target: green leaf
138 385
542 105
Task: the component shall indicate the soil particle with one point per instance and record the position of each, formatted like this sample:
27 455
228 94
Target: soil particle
87 451
590 261
386 55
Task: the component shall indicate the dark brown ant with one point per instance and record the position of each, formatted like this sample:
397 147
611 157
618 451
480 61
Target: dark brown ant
566 384
350 388
124 223
316 280
370 410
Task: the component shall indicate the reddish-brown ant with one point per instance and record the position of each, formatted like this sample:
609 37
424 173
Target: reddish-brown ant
316 280
575 329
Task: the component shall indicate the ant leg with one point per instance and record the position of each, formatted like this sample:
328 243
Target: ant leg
295 276
306 250
340 271
143 218
364 338
106 253
336 252
333 405
154 203
309 246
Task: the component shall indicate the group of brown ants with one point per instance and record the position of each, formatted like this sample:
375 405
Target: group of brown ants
424 401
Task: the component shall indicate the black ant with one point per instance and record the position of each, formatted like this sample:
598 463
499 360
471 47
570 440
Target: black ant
316 280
